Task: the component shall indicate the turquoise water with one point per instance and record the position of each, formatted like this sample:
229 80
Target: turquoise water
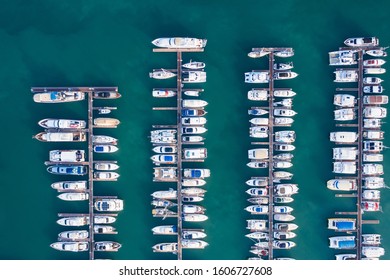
107 43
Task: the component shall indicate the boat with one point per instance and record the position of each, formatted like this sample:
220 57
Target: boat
257 225
370 206
102 139
362 42
257 54
284 112
193 191
106 122
108 204
163 136
257 182
257 164
105 176
345 257
342 184
342 224
373 182
344 57
374 70
196 153
284 235
283 156
191 199
342 242
375 100
283 209
257 112
105 148
346 76
161 74
344 167
194 65
372 123
194 103
372 169
193 182
70 185
373 89
375 112
106 94
283 66
160 93
371 239
179 43
165 230
70 246
193 121
372 157
193 209
282 164
107 246
258 95
103 219
193 130
62 123
103 229
193 112
74 221
283 217
74 136
345 153
163 203
104 111
258 131
257 209
164 159
165 248
196 173
287 102
169 149
372 81
371 195
376 53
192 92
73 235
73 196
285 226
283 199
259 252
373 251
194 217
58 96
194 76
170 194
106 166
68 169
376 62
284 93
344 114
283 244
257 235
373 134
285 75
286 136
284 147
258 200
282 175
343 137
257 77
257 191
258 154
67 155
284 53
344 100
192 139
192 234
285 189
193 244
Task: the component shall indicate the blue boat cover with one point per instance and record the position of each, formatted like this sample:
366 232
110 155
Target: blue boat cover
345 225
347 244
53 95
195 173
168 158
99 148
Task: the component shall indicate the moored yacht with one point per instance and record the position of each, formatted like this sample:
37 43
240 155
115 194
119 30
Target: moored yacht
67 155
285 75
108 204
106 166
107 246
257 77
59 96
73 235
165 230
62 123
73 196
161 74
165 247
74 136
161 93
70 185
362 42
193 244
70 246
343 137
342 184
258 95
284 93
194 76
103 139
179 42
68 169
344 100
195 65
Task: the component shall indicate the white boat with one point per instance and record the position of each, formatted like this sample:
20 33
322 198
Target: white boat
285 189
373 89
170 194
373 62
283 156
282 175
374 70
164 159
165 149
283 209
345 257
70 185
193 103
258 131
375 112
67 155
58 96
258 95
256 77
105 148
163 93
342 184
108 204
73 196
256 225
196 173
163 136
284 147
371 195
283 66
283 217
343 137
193 129
258 200
194 217
105 176
105 166
342 242
104 111
193 121
165 248
370 206
284 53
344 114
282 164
103 219
73 235
283 244
372 157
285 136
74 136
103 229
346 76
284 93
192 234
376 53
78 170
375 100
190 199
257 209
192 139
345 153
373 251
257 235
372 80
193 209
344 57
106 94
344 100
193 191
371 239
70 246
102 139
283 199
161 74
73 221
372 169
373 134
196 153
284 112
284 235
194 76
257 191
362 42
285 226
258 154
62 123
285 75
107 246
179 43
192 92
194 65
257 112
257 182
344 167
165 230
165 174
372 123
373 182
259 121
257 164
193 182
193 244
287 102
257 54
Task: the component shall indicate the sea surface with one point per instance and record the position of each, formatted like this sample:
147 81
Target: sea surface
108 43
